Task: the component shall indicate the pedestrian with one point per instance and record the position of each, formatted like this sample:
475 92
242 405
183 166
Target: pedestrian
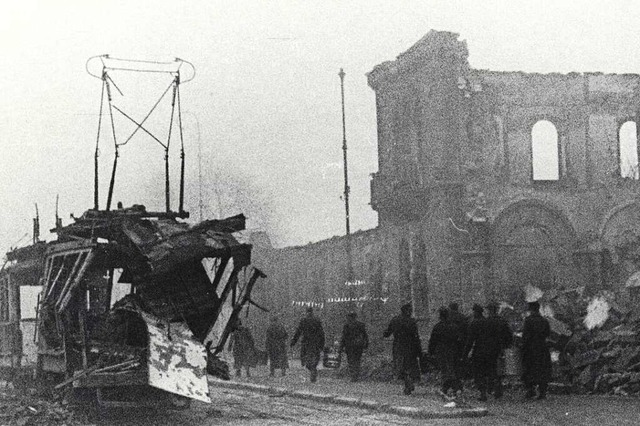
536 359
500 338
243 348
354 341
459 320
407 345
481 351
312 343
276 344
444 347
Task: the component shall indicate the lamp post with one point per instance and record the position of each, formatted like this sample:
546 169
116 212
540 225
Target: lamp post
346 188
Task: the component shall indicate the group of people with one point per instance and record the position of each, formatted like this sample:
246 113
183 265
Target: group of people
354 342
456 342
312 342
244 351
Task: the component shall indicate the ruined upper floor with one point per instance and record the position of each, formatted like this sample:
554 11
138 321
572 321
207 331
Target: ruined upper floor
441 122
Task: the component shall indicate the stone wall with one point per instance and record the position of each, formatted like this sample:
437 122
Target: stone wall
461 217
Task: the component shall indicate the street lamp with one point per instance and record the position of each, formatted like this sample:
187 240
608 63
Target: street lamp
341 74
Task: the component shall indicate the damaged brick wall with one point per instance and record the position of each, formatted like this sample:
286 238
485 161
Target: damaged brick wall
455 193
316 275
461 139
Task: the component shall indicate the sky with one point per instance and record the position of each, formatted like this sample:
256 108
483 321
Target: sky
263 109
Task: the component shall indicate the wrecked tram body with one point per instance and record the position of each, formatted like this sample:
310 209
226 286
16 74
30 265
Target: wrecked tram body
95 337
129 297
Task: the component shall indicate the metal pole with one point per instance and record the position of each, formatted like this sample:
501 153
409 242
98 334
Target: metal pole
346 182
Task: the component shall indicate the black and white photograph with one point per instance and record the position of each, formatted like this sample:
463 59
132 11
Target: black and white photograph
319 212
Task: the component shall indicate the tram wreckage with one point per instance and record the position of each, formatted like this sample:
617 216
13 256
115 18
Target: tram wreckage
149 344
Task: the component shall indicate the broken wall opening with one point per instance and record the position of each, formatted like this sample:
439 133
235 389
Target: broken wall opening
628 150
545 155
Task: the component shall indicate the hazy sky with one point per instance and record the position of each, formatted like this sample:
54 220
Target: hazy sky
266 94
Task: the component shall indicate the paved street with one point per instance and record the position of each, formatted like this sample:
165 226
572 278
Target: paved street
233 405
237 407
511 410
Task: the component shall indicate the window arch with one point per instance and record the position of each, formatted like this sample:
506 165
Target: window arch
545 155
628 150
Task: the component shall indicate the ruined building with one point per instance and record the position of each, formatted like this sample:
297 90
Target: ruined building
487 181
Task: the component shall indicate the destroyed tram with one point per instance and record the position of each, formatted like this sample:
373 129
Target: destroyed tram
144 346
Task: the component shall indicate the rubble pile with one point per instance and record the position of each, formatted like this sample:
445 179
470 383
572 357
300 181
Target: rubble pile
25 408
601 354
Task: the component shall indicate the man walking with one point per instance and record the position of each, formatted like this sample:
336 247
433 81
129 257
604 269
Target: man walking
276 345
406 341
480 346
536 359
444 347
312 343
500 338
354 341
243 348
458 320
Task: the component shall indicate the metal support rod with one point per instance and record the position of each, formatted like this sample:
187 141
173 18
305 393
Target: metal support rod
113 180
97 152
115 143
231 282
237 307
346 181
167 191
181 204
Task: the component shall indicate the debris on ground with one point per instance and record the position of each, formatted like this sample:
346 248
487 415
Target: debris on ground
25 407
602 353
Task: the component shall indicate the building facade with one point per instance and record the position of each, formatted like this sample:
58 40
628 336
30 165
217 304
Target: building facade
488 182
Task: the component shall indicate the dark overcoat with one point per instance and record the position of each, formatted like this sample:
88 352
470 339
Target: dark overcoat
444 346
354 337
487 338
243 348
407 347
312 343
536 359
462 324
276 345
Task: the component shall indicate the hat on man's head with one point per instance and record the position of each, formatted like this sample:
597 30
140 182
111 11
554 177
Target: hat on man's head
352 315
534 306
309 310
443 313
477 308
406 308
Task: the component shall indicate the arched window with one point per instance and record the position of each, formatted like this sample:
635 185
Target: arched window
628 139
545 157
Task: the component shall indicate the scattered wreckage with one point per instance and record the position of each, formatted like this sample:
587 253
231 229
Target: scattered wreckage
129 296
595 339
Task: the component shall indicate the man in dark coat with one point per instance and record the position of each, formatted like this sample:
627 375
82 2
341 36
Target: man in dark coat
500 337
243 348
276 345
536 359
406 341
444 347
354 341
484 351
457 319
310 328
